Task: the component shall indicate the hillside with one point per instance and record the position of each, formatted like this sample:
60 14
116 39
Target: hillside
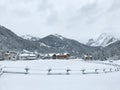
49 44
59 44
10 41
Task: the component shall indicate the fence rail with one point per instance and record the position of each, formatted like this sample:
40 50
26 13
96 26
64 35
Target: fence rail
54 71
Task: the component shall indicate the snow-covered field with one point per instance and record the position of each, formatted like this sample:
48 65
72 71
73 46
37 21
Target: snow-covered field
37 79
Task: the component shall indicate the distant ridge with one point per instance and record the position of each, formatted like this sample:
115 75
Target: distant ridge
49 44
103 40
59 44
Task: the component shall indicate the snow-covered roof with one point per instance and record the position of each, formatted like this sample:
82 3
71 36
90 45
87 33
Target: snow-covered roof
25 54
51 54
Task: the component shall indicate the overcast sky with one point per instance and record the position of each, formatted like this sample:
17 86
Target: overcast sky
76 19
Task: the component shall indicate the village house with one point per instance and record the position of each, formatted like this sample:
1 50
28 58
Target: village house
8 55
87 57
13 55
1 55
56 56
27 55
61 56
47 56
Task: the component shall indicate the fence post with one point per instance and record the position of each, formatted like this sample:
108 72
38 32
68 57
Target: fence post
110 69
115 69
118 69
26 70
49 70
104 70
1 71
83 71
96 71
68 71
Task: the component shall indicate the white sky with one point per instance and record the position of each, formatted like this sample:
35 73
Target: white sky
76 19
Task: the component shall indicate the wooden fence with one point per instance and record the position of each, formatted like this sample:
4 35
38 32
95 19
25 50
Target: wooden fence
58 71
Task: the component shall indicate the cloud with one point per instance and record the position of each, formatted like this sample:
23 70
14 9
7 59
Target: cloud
115 5
52 18
44 5
78 19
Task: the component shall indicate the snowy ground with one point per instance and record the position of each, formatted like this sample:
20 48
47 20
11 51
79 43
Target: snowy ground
37 81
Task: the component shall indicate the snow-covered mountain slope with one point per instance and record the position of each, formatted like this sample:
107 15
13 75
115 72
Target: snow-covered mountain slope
103 40
10 41
59 44
59 36
49 44
30 37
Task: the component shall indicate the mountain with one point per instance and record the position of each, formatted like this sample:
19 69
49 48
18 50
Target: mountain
30 37
49 44
103 40
10 41
58 44
111 52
